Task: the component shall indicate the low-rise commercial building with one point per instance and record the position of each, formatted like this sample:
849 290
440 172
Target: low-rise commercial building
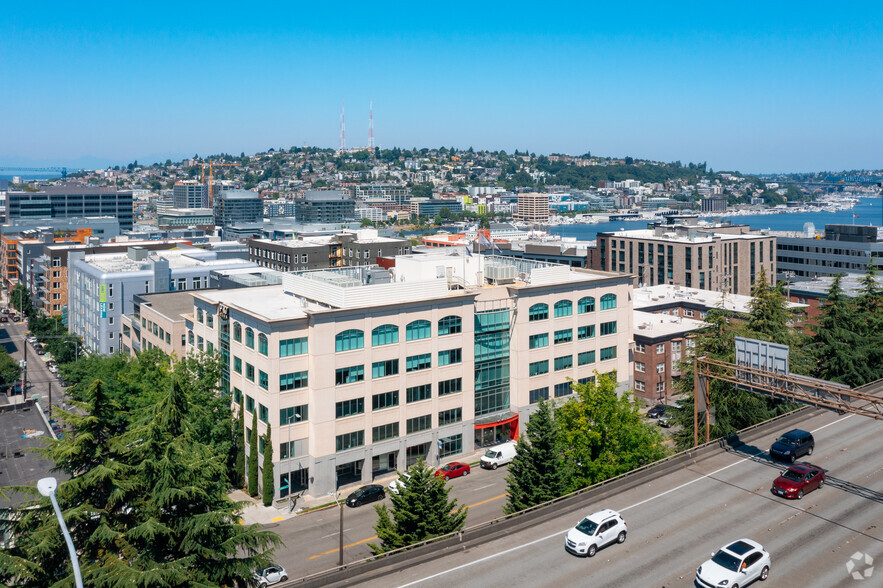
69 201
841 249
157 321
361 247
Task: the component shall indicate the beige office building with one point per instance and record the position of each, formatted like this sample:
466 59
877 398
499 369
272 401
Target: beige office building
533 208
363 370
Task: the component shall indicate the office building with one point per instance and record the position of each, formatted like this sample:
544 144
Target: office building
363 370
360 247
841 249
238 207
432 207
533 208
71 200
157 321
182 218
190 194
325 206
714 204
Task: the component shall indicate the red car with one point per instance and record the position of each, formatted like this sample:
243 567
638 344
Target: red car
798 480
455 469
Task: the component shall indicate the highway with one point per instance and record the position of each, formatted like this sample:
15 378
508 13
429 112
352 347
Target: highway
676 521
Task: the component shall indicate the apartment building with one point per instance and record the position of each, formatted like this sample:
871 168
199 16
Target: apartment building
361 247
714 204
324 206
841 249
661 342
432 207
190 194
719 257
234 207
157 321
533 208
71 200
362 370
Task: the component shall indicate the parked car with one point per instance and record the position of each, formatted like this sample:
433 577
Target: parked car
4 319
657 411
455 469
399 483
40 351
596 531
793 444
799 479
734 565
15 318
365 494
499 455
271 575
665 419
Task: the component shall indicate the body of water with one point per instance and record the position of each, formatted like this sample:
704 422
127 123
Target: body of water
869 211
29 176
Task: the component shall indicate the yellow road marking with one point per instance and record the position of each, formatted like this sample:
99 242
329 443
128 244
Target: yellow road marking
277 519
336 549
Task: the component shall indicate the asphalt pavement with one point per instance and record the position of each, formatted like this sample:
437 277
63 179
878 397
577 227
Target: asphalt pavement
40 380
677 520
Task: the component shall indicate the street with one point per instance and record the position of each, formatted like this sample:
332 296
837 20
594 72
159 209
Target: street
40 380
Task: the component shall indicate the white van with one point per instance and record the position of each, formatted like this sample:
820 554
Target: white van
498 455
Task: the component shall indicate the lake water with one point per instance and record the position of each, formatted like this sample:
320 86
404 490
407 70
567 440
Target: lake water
869 211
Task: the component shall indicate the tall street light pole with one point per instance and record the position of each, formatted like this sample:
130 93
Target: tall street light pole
47 487
340 548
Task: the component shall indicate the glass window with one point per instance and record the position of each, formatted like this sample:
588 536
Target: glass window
294 414
384 432
535 395
418 362
416 424
538 312
450 356
263 380
660 348
418 393
293 381
586 357
418 330
586 332
237 365
563 336
452 386
381 369
237 332
608 301
586 304
384 335
640 366
385 400
537 341
450 445
563 308
450 325
199 315
347 408
608 353
608 328
263 344
449 417
249 371
349 340
564 362
289 347
237 396
349 375
249 403
350 440
249 338
263 413
539 367
563 389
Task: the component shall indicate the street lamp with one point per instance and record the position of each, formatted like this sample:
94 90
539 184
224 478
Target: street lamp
47 487
340 548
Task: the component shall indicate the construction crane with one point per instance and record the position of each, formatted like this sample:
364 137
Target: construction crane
211 165
63 170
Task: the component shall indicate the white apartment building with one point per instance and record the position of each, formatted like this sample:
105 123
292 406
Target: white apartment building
361 370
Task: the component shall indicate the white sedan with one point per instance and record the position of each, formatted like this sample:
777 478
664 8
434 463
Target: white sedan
271 575
734 565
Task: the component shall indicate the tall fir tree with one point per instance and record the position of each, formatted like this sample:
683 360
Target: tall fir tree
421 510
769 316
269 486
869 307
837 345
536 474
253 457
239 440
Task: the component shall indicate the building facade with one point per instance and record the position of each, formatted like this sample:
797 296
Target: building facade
361 247
157 322
844 249
324 206
533 208
661 343
190 194
71 200
432 207
714 204
238 207
360 371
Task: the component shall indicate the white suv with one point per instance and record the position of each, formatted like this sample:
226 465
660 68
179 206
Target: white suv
737 564
595 531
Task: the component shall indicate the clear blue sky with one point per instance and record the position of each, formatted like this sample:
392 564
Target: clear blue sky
756 87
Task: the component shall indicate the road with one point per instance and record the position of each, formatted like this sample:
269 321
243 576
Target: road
677 520
311 540
40 379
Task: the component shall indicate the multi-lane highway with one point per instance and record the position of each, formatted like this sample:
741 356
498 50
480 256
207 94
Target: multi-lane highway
675 521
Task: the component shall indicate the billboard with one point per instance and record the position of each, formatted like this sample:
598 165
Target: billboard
763 355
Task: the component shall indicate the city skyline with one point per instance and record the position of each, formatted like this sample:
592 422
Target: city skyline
763 90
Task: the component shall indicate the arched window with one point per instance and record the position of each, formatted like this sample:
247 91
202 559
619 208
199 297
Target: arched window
263 344
249 338
237 332
385 335
450 325
608 301
418 330
349 339
586 304
563 308
538 312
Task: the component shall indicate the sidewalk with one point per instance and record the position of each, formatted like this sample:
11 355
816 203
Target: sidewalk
256 512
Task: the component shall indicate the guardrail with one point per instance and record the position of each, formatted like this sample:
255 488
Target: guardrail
386 563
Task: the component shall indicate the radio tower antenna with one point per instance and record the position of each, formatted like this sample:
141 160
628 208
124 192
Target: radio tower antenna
342 127
371 126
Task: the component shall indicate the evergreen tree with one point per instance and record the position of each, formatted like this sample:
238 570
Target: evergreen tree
253 457
837 345
239 441
769 316
536 473
603 434
421 510
269 485
869 319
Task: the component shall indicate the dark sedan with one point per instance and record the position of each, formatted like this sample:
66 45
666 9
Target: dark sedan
798 480
656 411
455 469
365 494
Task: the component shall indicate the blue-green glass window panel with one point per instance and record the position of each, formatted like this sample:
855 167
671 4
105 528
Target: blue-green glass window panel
384 335
289 347
450 325
608 301
586 304
538 312
418 330
563 308
349 340
537 341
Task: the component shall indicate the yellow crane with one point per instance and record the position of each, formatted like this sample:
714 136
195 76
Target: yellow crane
211 165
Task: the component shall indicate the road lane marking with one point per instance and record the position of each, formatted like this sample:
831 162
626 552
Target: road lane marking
483 487
560 533
277 519
336 549
334 534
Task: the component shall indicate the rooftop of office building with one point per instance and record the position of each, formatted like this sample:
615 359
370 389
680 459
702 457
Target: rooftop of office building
654 326
171 305
183 257
819 286
665 295
704 233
